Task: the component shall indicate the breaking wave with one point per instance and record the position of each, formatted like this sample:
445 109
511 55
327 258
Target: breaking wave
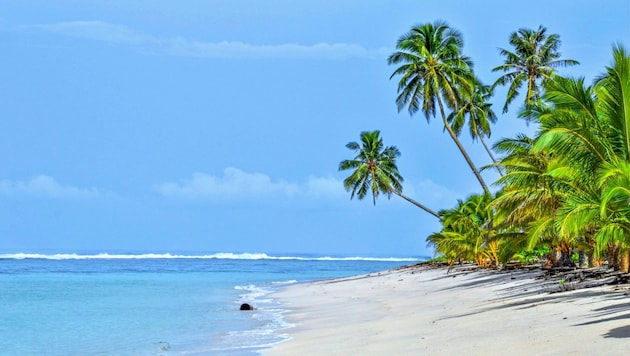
223 255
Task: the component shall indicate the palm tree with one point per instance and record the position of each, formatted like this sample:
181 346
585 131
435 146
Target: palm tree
613 91
467 232
588 130
534 59
530 198
615 208
433 72
480 114
374 170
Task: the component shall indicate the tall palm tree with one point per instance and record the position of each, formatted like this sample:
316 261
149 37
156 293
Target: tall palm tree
533 60
479 111
374 170
433 72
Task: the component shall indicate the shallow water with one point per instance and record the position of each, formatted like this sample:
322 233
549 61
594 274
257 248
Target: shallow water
153 304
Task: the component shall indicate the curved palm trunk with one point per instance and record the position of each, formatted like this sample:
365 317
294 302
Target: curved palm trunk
417 204
462 150
483 142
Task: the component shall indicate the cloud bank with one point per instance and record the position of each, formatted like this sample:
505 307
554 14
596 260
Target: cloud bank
432 194
44 186
179 46
237 184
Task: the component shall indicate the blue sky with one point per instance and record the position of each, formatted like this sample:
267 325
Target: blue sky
218 126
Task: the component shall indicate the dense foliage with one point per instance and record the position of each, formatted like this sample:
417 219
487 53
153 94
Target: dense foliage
563 193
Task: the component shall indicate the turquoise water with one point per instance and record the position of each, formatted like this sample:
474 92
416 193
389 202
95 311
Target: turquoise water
154 304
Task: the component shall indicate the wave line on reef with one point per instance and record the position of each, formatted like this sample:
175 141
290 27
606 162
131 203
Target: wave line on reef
222 255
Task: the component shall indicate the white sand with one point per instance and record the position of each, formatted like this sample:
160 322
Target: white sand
428 312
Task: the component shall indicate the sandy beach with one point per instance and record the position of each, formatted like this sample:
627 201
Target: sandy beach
427 311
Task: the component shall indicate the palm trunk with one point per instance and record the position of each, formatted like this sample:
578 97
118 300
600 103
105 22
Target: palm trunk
594 260
613 257
624 260
530 89
462 150
483 142
583 259
494 250
567 251
560 256
417 204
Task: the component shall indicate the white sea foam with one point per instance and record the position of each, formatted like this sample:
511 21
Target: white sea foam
292 281
269 317
222 255
252 292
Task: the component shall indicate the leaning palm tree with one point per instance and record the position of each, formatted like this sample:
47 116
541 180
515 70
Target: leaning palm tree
374 170
479 111
533 60
433 73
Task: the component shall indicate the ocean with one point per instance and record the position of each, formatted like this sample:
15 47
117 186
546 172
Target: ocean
155 304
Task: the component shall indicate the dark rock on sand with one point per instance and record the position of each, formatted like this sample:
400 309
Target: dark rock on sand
246 306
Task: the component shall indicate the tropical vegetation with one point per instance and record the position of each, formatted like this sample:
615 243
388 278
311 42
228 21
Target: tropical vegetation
563 193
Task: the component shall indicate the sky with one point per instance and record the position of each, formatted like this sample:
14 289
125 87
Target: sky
204 126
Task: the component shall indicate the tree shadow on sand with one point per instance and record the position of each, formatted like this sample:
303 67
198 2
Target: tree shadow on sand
620 332
527 289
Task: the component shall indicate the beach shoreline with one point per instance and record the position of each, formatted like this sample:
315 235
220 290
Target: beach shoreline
425 310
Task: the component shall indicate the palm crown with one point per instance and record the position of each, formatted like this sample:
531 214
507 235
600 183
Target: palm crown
374 167
431 65
375 170
534 58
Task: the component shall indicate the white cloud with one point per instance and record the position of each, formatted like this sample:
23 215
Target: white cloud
100 31
320 187
237 184
432 194
233 184
45 187
179 46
